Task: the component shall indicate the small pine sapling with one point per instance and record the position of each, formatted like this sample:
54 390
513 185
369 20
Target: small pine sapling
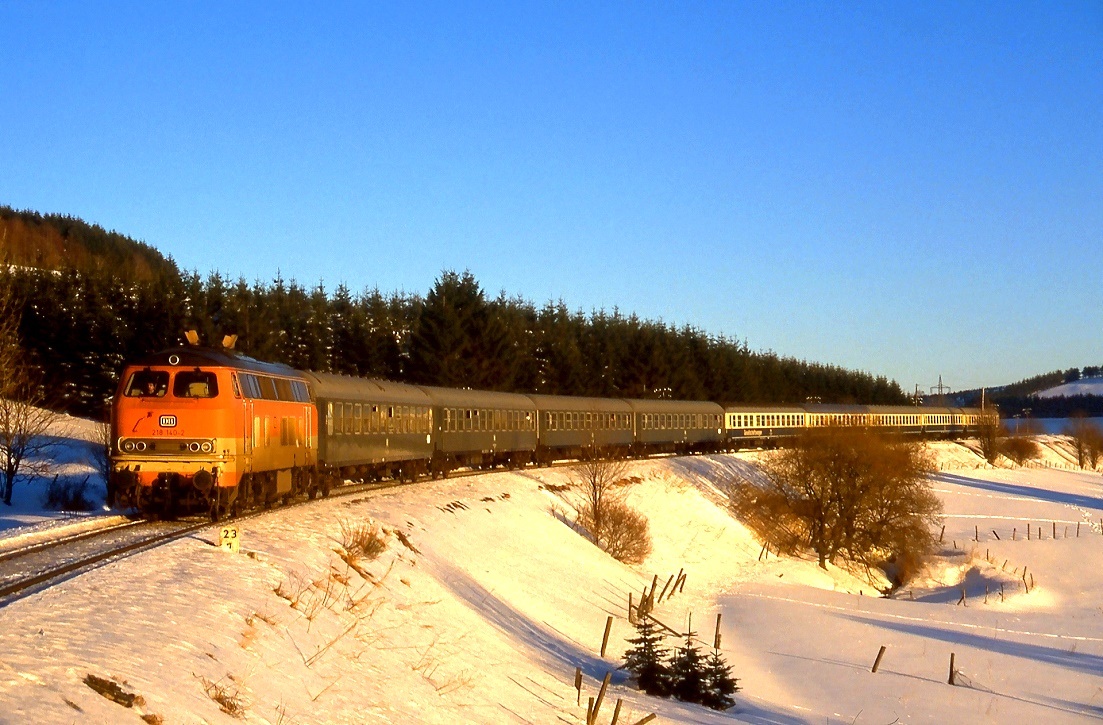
719 685
687 672
646 658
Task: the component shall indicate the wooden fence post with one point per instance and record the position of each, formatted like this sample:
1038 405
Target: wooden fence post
590 712
616 712
605 637
951 680
601 694
665 587
716 639
578 683
880 654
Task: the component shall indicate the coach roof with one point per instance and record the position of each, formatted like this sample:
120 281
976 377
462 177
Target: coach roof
342 387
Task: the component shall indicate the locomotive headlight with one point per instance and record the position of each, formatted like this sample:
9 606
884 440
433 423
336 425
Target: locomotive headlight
207 446
140 445
128 446
193 447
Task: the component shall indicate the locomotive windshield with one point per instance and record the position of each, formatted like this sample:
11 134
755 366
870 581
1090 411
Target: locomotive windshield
147 384
195 384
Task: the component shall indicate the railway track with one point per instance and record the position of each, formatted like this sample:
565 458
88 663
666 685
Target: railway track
36 567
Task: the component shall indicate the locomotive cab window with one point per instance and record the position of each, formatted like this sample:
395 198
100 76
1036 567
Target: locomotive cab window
147 384
195 384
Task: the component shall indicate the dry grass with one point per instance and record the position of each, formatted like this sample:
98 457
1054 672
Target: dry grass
227 696
362 541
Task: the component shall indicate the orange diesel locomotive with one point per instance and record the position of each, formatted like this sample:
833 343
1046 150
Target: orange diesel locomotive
211 431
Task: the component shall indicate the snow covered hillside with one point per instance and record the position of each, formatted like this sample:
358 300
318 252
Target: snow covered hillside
486 600
1084 386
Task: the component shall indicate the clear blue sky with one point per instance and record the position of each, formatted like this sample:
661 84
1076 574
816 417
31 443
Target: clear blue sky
908 189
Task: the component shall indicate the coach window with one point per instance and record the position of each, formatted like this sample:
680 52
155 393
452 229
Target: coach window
358 419
195 384
329 421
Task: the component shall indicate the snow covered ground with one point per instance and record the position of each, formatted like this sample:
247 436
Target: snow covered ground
72 458
484 606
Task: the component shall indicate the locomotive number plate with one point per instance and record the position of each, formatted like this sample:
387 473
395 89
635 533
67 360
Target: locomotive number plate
168 421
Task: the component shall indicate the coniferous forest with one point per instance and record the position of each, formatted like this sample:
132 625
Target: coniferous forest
80 322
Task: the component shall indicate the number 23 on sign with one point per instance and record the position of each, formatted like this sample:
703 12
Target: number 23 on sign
229 539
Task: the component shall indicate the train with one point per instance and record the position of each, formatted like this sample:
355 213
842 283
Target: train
197 429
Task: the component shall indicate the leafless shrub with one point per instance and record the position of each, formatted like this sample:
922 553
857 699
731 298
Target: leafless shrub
845 493
101 456
627 533
68 494
1020 448
227 696
153 718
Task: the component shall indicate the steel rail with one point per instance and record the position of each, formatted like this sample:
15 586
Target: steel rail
43 545
22 585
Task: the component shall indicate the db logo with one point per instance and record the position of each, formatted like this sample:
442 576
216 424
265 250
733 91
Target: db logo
168 421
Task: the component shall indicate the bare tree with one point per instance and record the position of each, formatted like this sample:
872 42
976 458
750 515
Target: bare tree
1086 438
24 421
989 432
603 513
845 493
1095 448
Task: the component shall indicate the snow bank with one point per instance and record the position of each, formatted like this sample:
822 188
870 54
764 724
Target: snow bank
487 599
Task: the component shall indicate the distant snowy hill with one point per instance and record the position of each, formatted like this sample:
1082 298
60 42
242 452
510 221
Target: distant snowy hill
1084 386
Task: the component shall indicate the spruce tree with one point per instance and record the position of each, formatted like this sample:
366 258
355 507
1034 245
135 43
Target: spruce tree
646 659
687 672
719 685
